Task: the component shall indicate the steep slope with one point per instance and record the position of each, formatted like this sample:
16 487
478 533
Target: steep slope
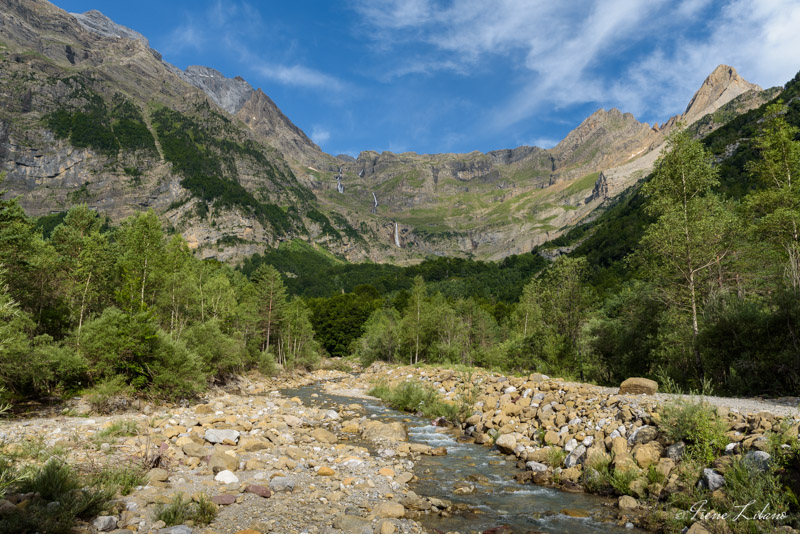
90 114
507 202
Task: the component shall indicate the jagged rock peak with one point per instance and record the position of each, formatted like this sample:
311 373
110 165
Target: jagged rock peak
228 93
719 88
96 22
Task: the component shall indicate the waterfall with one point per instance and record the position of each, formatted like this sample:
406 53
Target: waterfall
396 236
375 205
339 186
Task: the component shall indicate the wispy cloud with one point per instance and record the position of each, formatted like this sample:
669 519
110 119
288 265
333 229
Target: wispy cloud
235 26
298 75
320 135
565 53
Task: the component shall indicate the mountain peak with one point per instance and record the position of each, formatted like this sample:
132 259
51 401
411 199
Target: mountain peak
720 87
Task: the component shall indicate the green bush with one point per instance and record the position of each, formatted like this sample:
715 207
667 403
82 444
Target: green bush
63 497
180 510
696 424
415 397
220 354
129 348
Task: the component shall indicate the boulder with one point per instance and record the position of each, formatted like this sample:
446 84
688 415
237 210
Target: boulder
506 443
643 434
536 467
105 523
377 431
638 386
324 436
214 435
278 484
675 451
221 461
226 477
711 480
626 502
575 457
757 461
195 450
389 509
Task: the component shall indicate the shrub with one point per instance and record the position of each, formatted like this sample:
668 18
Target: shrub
64 497
696 424
181 510
412 396
128 349
620 480
555 457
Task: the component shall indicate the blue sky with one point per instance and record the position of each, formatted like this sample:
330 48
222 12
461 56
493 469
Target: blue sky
461 75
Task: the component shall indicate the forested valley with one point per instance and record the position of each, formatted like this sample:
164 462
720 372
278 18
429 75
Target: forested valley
693 279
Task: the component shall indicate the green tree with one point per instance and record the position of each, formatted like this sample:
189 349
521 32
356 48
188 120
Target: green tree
83 263
415 325
685 250
140 242
270 296
776 209
296 343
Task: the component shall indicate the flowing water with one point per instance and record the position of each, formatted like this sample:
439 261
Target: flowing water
498 500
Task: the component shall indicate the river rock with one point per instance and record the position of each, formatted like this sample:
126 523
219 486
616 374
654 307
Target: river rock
638 386
214 435
278 484
575 457
261 491
506 443
626 502
675 451
389 509
351 524
324 436
105 523
377 431
757 460
536 467
226 477
711 480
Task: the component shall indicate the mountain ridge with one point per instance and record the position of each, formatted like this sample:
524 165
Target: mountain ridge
487 205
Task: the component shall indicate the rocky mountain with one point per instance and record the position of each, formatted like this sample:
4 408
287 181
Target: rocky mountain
91 114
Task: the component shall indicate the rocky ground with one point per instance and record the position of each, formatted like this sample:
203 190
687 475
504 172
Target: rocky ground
270 463
273 464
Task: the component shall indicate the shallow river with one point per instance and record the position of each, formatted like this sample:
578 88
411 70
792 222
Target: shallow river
498 500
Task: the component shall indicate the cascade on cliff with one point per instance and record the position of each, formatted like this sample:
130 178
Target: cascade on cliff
396 236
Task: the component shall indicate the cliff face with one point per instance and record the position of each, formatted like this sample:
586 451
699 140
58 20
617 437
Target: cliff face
89 113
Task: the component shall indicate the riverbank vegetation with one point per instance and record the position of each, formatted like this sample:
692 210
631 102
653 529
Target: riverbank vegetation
688 280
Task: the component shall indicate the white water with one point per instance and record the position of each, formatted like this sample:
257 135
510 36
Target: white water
396 236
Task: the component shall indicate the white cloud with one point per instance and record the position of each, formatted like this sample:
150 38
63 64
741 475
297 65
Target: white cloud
544 142
320 135
565 53
300 76
232 25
